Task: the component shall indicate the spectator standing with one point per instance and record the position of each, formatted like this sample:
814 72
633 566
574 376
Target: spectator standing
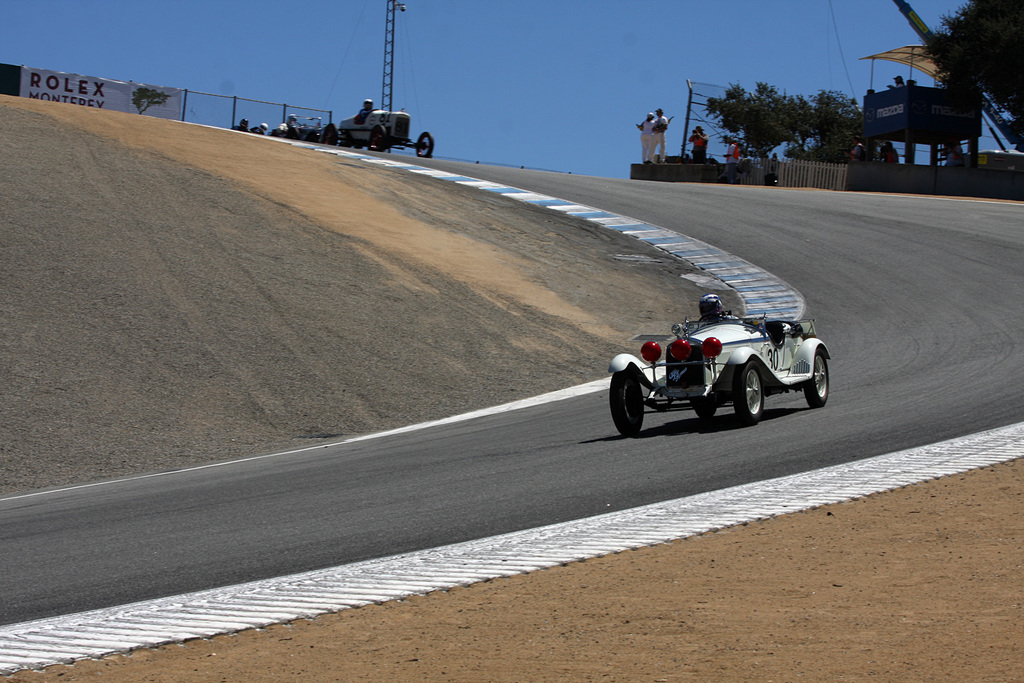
954 153
647 138
857 152
699 139
732 158
889 154
771 176
660 126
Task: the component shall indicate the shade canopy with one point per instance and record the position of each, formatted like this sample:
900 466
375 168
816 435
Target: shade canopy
914 56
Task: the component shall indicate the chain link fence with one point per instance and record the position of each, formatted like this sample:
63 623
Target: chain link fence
225 111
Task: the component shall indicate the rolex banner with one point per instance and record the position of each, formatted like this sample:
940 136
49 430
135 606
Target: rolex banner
102 93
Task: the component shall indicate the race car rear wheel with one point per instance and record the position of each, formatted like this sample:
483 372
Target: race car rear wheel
816 388
626 399
748 394
379 138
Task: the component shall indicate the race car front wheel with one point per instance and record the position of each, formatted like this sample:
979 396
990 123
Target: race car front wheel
704 407
748 394
816 388
425 145
330 136
626 400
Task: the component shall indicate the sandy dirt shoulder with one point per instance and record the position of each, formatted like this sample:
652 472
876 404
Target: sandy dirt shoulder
203 263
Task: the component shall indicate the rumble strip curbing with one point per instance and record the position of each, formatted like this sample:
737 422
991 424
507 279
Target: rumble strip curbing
761 292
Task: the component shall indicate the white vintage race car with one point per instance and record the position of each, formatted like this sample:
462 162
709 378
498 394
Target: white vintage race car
380 131
718 362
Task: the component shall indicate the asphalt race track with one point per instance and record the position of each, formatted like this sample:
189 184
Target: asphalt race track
916 298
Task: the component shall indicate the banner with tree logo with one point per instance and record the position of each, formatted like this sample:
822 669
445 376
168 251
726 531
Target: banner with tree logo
102 93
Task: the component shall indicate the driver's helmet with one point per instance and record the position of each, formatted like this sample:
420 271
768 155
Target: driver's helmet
711 307
264 127
367 104
292 119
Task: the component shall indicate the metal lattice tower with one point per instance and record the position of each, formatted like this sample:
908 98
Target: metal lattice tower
389 54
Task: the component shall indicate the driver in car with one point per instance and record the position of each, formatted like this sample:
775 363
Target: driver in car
364 112
711 309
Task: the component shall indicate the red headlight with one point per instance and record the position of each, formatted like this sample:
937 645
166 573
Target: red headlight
680 349
651 351
711 347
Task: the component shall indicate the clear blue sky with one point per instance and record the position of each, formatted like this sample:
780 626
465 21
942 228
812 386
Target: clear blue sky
552 84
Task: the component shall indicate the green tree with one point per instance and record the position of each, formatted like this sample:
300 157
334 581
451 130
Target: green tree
819 129
980 49
144 98
824 127
759 120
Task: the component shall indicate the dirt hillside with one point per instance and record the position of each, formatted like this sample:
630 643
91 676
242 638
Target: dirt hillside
174 295
177 294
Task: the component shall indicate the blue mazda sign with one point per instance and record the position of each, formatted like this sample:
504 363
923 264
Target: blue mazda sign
920 109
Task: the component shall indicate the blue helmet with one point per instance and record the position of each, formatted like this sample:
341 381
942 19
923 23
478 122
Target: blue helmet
711 306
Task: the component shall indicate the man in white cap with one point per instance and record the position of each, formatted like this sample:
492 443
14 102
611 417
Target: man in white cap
647 138
660 126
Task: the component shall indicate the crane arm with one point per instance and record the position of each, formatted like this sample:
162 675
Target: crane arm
915 21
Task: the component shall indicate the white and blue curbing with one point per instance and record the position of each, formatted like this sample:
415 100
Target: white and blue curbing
761 292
